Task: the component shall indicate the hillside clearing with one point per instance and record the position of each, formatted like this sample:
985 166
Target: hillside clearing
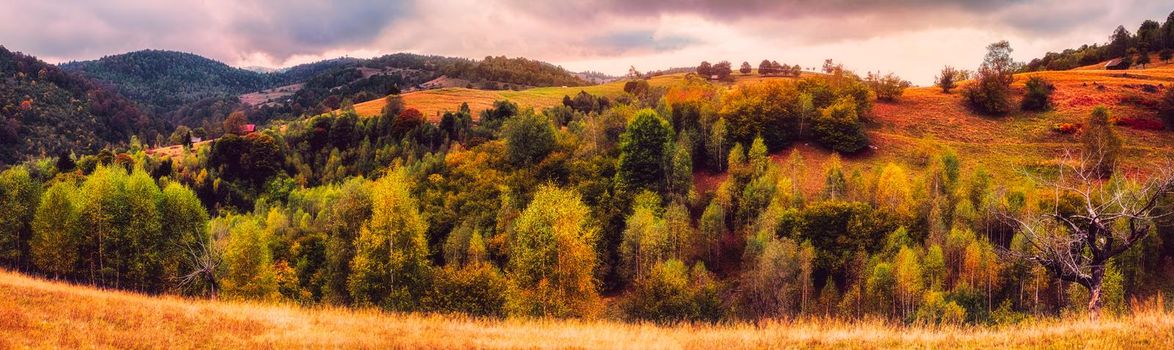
41 314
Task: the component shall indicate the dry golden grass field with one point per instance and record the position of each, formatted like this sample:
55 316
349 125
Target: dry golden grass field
35 313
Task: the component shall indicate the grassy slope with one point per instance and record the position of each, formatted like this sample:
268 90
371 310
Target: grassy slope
41 314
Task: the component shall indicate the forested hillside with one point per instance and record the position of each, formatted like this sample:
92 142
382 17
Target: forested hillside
45 111
163 81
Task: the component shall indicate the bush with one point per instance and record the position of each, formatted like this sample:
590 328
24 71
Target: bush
476 290
948 79
1038 96
1166 107
671 293
1067 128
888 87
1138 123
935 309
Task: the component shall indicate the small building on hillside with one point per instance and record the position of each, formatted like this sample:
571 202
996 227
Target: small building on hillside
1116 64
249 128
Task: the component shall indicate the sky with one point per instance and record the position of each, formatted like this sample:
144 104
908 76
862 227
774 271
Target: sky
912 38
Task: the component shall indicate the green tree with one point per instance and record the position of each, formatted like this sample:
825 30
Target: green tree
991 92
645 238
143 245
643 152
343 221
909 280
681 169
551 259
772 285
674 293
834 184
1101 144
529 138
888 87
185 223
770 109
19 197
712 227
390 268
248 263
54 245
102 218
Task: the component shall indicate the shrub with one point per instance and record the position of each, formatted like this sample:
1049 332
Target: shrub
1166 107
1139 123
948 79
1038 96
476 290
671 293
887 87
935 309
1067 128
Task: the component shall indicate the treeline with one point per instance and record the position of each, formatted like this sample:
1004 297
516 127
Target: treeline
45 111
543 213
1133 48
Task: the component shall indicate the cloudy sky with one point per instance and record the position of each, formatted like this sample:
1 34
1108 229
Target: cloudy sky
912 38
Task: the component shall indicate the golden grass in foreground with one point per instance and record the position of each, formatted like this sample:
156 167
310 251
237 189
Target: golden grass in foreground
41 314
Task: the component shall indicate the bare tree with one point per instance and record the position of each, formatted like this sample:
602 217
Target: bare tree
204 259
1100 219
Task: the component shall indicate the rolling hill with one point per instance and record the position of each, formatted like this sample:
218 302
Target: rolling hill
42 314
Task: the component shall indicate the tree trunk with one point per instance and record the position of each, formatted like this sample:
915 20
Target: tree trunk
1094 292
1094 302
